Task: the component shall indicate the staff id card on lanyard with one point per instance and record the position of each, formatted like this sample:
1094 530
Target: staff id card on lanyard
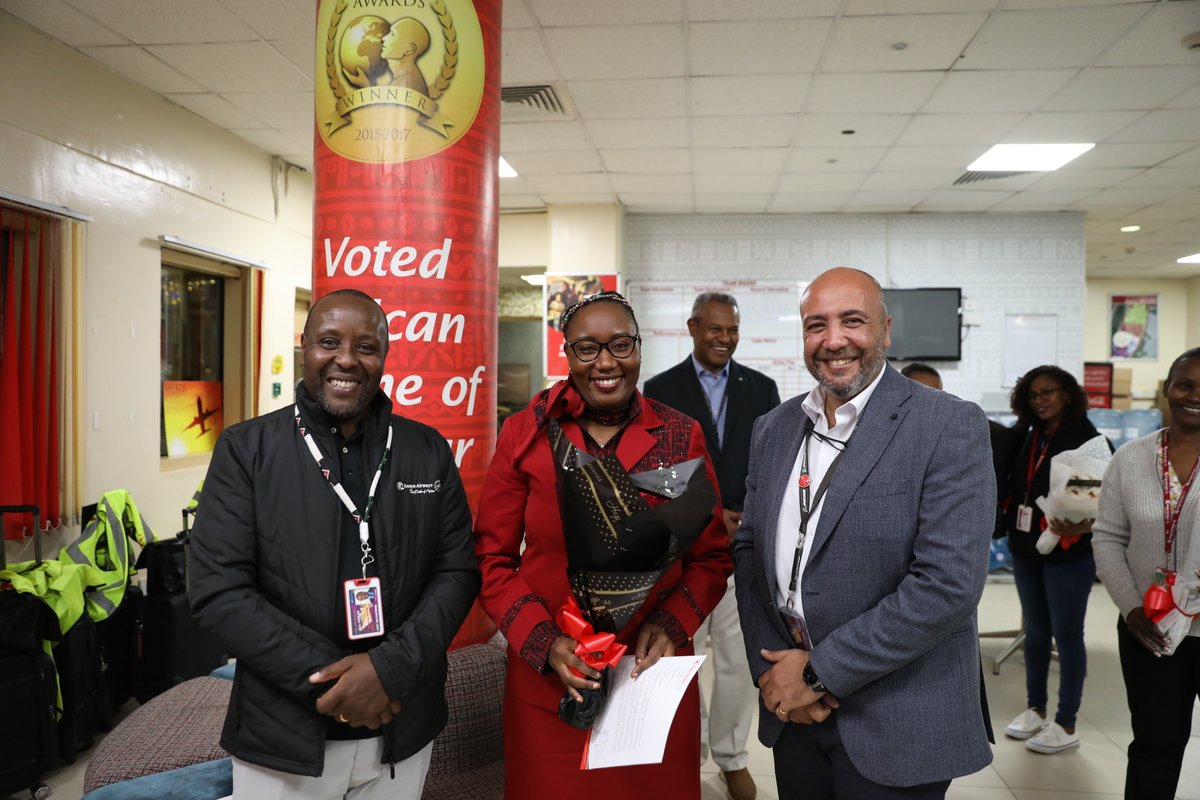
1025 510
797 628
362 597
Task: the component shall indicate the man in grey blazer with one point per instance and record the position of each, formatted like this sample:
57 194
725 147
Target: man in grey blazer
858 593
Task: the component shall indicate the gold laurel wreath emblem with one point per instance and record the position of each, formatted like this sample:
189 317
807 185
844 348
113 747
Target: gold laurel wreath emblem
431 119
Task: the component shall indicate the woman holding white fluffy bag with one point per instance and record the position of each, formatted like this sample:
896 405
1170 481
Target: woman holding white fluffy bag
1147 548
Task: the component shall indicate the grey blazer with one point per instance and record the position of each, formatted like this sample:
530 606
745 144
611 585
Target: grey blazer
897 567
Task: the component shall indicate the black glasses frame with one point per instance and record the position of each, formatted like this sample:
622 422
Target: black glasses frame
602 346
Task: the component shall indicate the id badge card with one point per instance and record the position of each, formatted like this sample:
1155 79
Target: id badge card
364 608
796 627
1024 518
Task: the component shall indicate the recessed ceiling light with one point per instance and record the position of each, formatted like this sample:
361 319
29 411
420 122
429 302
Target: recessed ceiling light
506 170
537 279
1130 228
1028 157
1194 258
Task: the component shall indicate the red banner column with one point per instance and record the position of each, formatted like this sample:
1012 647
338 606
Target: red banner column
405 206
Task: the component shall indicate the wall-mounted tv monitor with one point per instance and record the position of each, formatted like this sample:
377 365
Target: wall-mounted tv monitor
926 324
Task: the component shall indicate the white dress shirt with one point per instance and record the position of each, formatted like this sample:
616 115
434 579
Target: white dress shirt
820 456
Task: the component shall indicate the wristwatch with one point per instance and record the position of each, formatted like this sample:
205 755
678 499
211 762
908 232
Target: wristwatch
811 680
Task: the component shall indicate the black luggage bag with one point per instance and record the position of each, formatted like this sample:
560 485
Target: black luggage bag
28 739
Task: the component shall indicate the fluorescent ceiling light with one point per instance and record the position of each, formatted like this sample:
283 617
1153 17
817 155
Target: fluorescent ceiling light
1028 157
1130 228
1194 258
506 170
537 279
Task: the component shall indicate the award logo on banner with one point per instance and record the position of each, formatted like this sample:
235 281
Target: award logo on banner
420 57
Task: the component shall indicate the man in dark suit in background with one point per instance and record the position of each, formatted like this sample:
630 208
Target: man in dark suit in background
725 397
860 561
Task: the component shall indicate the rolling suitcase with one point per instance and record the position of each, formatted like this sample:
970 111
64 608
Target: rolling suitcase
28 739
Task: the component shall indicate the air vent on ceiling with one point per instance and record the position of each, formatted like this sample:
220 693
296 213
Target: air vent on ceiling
539 102
974 177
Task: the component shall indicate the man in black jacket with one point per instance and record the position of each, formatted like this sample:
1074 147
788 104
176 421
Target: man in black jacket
725 397
333 558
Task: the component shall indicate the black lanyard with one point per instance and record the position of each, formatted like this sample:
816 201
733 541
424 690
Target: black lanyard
806 507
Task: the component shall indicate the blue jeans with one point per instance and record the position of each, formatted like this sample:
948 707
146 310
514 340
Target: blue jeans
1054 602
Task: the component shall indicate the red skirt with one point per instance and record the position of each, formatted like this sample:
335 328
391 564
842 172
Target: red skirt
542 756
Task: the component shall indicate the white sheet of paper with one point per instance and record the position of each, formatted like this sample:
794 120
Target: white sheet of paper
633 727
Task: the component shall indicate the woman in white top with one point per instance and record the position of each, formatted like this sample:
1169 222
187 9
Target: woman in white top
1148 527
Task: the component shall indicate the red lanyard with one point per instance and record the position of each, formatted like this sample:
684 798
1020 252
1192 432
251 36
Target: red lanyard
1172 512
1034 466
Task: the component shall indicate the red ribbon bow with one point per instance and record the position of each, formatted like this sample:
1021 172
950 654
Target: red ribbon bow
1159 600
598 650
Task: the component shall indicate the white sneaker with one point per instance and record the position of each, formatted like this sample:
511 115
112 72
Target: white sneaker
1026 724
1052 739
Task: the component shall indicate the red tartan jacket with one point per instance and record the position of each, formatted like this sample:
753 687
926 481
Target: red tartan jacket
523 589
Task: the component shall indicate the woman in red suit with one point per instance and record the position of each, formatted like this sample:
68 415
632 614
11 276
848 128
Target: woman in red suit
595 416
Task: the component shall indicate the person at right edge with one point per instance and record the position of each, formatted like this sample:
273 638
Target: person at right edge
1053 588
860 561
1149 524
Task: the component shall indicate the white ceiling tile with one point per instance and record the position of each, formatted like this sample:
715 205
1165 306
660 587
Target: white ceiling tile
578 183
962 200
625 182
1110 213
516 185
301 53
513 201
810 182
740 95
649 160
993 90
1017 5
527 136
524 59
870 130
1182 177
171 21
235 67
281 109
874 7
1070 126
578 198
141 67
733 182
552 162
1171 125
834 159
933 42
1173 213
1145 154
811 202
882 92
619 13
270 140
217 110
752 48
724 160
897 201
1074 177
901 180
515 15
744 131
1069 37
1043 201
644 51
903 159
1155 40
267 19
1189 158
629 99
727 202
1125 198
1189 99
941 129
63 22
639 203
710 10
633 134
1116 89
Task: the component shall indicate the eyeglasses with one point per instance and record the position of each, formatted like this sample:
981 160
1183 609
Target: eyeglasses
589 349
1045 394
